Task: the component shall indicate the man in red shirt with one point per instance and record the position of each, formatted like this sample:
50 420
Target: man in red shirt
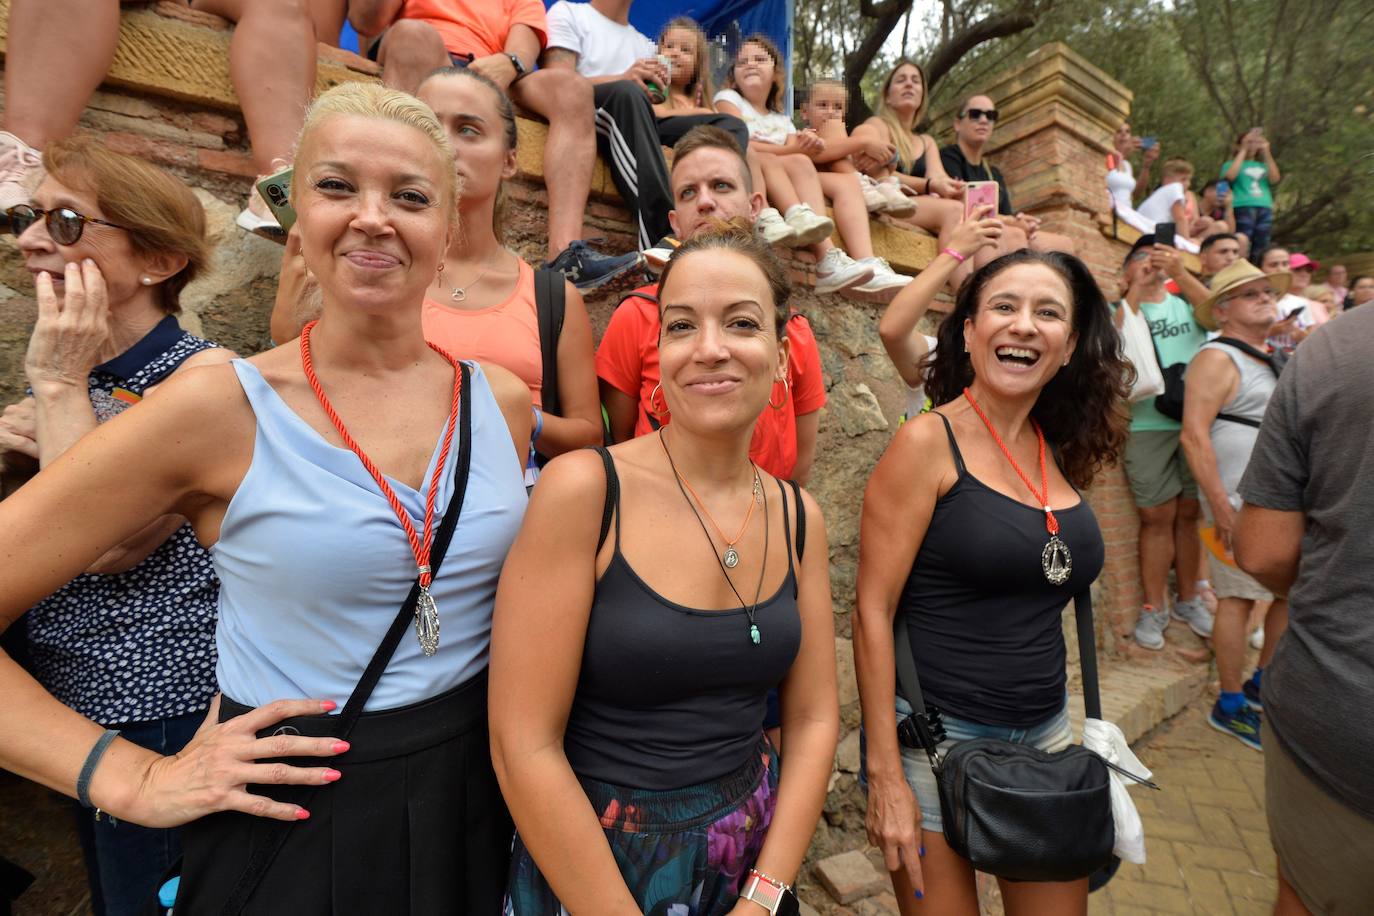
710 183
502 39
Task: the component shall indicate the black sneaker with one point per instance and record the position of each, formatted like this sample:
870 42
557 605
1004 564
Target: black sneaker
1252 695
589 269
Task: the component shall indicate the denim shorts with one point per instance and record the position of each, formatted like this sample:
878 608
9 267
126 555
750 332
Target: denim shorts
1054 734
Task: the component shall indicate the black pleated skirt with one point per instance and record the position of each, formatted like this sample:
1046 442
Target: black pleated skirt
416 825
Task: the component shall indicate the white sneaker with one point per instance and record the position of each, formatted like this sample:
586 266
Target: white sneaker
886 282
809 225
874 199
258 219
771 228
898 203
837 270
1257 638
21 169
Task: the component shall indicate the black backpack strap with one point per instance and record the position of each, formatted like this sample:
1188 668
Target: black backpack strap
612 503
550 300
637 294
801 521
266 850
1244 421
1267 358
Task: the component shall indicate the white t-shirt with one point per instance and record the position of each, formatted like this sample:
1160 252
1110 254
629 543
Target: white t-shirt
764 126
603 47
1159 206
916 397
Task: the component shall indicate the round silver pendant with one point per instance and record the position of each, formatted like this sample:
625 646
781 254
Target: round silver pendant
1056 561
459 294
731 558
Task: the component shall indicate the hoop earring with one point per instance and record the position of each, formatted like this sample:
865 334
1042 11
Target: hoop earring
653 408
786 394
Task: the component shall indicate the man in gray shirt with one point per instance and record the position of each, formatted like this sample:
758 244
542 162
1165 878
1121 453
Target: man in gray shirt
1304 531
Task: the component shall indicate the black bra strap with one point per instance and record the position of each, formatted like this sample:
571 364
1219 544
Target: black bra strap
612 500
953 444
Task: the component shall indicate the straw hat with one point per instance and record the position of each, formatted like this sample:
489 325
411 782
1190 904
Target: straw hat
1231 278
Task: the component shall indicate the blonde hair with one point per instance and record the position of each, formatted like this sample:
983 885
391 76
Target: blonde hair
371 100
161 214
905 140
1175 167
702 88
779 87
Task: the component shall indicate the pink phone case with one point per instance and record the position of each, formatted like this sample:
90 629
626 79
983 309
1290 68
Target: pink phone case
980 194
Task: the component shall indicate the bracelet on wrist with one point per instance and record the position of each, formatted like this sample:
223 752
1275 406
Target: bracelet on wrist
961 258
83 781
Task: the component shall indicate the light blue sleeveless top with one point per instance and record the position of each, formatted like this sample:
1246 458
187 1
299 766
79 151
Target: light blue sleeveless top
314 564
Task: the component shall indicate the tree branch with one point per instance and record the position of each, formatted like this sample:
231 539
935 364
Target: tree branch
998 25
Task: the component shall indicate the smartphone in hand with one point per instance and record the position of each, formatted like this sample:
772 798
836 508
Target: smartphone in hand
979 194
1164 234
1148 142
276 190
1223 188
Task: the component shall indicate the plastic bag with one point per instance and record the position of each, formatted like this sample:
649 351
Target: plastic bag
1140 350
1107 741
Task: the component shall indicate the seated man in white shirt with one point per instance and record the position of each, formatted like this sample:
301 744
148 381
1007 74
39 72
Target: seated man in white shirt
597 40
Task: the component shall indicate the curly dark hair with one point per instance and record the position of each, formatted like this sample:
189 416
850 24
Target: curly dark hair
1082 408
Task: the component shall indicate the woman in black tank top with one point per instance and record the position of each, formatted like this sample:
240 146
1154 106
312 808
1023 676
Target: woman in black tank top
655 593
974 531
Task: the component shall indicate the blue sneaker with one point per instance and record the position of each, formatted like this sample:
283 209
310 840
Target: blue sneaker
1243 725
1252 695
589 269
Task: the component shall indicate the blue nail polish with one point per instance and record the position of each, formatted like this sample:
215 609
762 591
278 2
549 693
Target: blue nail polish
921 851
919 895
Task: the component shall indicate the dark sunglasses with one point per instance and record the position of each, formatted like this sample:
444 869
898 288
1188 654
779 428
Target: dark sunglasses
64 224
977 114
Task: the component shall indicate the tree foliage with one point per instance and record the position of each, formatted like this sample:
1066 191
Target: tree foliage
1202 71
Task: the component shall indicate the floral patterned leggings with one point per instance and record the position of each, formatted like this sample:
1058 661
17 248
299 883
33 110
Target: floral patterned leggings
682 852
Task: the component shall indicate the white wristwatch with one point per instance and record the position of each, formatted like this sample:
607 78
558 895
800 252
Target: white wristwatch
771 894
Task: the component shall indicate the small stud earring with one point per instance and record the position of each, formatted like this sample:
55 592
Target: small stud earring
147 281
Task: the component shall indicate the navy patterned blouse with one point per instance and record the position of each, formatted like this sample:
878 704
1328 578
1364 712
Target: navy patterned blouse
139 645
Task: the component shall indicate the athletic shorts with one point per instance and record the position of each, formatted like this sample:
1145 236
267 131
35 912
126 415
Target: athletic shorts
1156 468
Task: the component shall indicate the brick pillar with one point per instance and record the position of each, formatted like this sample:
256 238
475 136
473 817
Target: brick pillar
1058 113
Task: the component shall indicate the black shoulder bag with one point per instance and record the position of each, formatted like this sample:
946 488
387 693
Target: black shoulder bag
1013 810
1272 360
266 850
550 302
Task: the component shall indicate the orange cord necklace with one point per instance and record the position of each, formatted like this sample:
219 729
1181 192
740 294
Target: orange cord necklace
1055 559
426 613
731 556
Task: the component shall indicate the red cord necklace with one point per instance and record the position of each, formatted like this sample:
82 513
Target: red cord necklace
426 613
1055 560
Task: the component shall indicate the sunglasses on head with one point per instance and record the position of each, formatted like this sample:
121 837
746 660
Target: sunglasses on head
64 224
978 114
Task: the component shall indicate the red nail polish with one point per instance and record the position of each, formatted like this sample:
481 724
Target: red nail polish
302 814
340 746
328 705
332 775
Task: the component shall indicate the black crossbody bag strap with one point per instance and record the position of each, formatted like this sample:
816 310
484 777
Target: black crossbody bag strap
550 302
266 851
910 683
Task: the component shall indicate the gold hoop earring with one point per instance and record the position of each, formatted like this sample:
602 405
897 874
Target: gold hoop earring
653 408
786 394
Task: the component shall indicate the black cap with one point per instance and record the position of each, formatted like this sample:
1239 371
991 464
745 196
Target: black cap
1145 241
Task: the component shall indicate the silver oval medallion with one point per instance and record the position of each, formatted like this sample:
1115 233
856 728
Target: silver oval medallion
1056 561
731 559
427 623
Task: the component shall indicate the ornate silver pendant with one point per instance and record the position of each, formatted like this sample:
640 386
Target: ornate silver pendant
459 294
427 623
731 558
1056 561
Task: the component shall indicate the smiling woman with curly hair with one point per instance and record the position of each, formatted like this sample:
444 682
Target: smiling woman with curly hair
974 531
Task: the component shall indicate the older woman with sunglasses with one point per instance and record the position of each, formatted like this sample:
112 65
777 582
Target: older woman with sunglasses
111 242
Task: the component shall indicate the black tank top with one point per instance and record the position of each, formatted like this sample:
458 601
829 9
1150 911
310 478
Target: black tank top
984 622
672 696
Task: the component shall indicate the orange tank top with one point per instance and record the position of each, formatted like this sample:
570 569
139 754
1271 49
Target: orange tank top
506 334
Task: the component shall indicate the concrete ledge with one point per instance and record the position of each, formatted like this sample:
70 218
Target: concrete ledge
169 50
1129 234
1138 695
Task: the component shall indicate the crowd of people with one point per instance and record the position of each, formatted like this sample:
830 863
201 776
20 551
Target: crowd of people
606 686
